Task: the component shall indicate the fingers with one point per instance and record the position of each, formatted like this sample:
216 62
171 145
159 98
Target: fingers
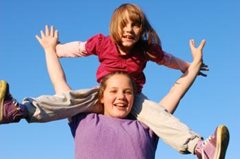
46 30
38 38
204 67
191 44
52 31
202 44
56 34
49 31
202 74
42 34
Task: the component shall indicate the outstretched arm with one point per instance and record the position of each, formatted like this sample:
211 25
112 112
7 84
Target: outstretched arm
179 64
48 41
181 86
71 49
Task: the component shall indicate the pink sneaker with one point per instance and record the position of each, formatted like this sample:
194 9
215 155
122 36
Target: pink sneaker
10 110
215 146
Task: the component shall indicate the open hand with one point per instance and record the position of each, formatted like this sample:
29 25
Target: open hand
49 38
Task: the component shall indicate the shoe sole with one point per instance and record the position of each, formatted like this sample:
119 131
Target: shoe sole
3 89
222 142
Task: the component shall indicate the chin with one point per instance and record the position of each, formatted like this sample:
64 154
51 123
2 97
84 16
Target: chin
128 44
121 115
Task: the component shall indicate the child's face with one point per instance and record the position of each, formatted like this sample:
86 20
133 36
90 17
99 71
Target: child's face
118 96
130 33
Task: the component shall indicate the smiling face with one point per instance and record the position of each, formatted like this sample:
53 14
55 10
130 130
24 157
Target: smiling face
126 27
130 33
118 96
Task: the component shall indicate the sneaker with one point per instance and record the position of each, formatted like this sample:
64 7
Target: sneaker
215 146
10 110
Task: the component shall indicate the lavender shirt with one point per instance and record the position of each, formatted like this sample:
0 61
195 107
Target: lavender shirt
103 137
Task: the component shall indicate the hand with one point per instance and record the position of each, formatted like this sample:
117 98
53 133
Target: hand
197 55
204 67
49 39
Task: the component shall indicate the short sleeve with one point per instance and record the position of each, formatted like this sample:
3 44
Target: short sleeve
94 44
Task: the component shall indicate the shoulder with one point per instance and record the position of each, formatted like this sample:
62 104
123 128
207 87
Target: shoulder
99 37
98 43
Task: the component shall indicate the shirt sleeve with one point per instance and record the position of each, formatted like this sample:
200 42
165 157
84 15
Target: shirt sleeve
71 49
94 45
163 58
173 62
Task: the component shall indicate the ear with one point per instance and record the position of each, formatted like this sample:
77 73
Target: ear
101 99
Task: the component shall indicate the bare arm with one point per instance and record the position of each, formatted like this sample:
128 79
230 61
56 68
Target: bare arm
48 41
181 86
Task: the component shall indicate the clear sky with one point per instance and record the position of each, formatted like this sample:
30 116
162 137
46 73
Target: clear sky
211 101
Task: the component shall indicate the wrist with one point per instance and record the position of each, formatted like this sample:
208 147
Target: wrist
49 49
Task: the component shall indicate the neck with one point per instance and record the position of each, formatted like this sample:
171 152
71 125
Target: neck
123 51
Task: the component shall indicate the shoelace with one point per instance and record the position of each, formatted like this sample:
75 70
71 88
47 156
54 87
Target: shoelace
205 142
13 100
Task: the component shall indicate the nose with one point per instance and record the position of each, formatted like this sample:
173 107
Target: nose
121 95
128 27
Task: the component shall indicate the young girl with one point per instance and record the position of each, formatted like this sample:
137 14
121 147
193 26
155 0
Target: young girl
131 44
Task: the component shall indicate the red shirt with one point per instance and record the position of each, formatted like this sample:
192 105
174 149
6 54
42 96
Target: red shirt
111 60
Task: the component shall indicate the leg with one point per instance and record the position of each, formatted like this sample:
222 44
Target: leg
46 108
50 108
177 134
165 125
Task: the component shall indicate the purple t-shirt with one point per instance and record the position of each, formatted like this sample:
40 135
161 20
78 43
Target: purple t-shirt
103 137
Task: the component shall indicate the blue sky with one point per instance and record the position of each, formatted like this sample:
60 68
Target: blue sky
211 101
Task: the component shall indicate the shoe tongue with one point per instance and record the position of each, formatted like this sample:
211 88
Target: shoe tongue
198 149
205 150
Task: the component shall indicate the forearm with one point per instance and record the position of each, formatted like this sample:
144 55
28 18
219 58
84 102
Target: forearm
71 49
55 71
181 86
175 62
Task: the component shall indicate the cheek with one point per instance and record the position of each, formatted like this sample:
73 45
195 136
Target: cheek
139 34
120 31
131 101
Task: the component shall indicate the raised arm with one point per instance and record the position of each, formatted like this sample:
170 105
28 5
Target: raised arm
181 86
179 64
48 41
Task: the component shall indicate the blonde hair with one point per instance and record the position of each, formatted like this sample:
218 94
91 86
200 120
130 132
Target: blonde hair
136 15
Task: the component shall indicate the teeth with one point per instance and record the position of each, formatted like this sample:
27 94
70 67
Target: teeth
128 37
120 105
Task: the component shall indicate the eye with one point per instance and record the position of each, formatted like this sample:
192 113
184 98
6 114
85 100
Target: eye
136 24
128 92
113 91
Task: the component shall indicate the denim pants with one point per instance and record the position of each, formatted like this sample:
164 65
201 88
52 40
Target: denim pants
170 129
